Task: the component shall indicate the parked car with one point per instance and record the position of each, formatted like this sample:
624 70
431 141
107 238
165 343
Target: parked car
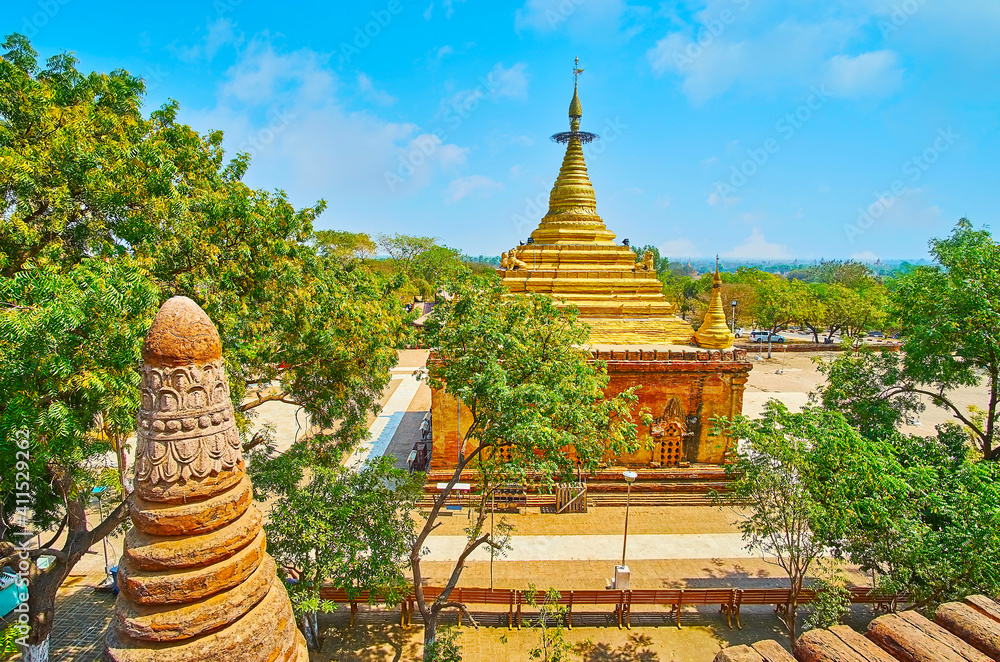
766 336
875 334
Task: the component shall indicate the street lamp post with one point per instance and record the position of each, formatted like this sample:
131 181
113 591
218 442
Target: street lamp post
630 477
98 493
733 304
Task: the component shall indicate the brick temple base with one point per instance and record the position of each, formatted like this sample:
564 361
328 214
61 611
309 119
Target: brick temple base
682 388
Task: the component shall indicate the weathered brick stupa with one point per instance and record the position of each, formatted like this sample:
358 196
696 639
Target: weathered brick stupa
686 378
196 581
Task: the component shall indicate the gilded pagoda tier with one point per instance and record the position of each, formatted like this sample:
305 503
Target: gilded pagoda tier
572 256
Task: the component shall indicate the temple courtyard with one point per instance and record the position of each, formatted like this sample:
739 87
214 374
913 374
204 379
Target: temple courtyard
668 547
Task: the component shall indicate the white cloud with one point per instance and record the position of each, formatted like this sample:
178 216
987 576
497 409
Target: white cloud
502 82
509 82
718 197
676 248
663 201
793 53
262 75
478 185
580 16
787 53
866 256
447 5
444 52
757 247
218 33
283 107
751 217
868 74
373 94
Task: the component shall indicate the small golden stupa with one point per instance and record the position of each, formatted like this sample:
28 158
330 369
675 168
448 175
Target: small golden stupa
573 257
714 332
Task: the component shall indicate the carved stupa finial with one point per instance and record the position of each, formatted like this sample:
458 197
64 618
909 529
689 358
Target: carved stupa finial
181 333
714 332
195 577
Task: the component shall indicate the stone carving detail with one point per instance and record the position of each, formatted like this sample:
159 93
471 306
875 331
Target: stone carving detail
186 427
668 432
196 581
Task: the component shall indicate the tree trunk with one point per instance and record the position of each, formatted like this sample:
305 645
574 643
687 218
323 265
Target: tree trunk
42 590
430 631
307 632
37 652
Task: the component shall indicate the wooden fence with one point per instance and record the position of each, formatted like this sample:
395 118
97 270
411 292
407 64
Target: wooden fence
624 603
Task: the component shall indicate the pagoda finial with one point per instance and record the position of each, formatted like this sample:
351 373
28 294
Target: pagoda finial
575 108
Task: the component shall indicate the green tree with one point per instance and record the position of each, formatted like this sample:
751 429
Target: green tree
777 302
438 265
833 599
856 385
444 648
403 249
344 245
552 645
948 317
69 347
915 512
349 529
770 472
811 312
104 214
535 399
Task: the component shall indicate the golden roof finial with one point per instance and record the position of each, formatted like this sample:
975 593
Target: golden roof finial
575 108
572 215
714 332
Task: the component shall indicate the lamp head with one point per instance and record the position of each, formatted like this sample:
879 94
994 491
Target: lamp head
630 476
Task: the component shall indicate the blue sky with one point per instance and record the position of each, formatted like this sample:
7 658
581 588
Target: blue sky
751 128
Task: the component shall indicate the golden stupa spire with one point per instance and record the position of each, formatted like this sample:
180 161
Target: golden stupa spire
575 108
572 217
573 257
714 332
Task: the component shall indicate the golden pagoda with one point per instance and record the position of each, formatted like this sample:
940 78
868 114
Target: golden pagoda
714 332
573 257
635 335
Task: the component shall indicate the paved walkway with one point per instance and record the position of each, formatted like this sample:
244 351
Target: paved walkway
384 428
599 547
